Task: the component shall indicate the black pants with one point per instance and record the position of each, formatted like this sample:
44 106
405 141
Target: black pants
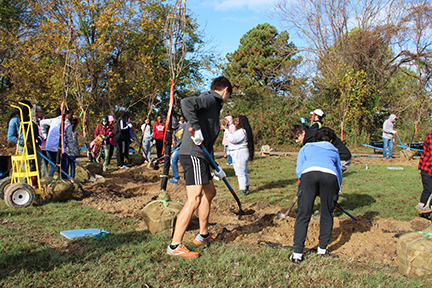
427 186
312 184
122 152
159 145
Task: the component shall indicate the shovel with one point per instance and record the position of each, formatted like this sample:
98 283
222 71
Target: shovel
280 215
215 167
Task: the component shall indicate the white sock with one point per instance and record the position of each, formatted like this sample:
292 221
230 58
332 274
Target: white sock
321 251
297 255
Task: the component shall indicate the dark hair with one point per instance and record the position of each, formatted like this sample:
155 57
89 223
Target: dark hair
67 111
25 109
157 115
296 130
14 112
325 134
221 83
125 116
244 123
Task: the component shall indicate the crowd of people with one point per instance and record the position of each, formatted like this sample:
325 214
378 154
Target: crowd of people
321 162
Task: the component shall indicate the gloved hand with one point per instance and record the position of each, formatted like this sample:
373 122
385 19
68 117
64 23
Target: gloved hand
198 138
130 125
302 120
221 174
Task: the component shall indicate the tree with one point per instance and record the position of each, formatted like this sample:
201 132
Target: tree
264 62
354 42
100 55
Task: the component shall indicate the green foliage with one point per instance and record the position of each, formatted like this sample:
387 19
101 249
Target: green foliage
263 63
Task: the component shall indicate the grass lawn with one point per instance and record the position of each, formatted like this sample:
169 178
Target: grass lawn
34 254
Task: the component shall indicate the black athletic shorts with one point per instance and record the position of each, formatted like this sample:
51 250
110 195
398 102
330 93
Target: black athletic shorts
196 170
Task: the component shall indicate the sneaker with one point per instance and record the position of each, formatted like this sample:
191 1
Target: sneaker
199 240
243 192
295 261
124 167
322 252
423 209
174 181
182 251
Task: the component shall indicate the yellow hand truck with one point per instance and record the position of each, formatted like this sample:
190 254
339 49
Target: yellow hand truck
17 189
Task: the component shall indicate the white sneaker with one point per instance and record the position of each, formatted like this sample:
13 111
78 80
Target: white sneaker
124 167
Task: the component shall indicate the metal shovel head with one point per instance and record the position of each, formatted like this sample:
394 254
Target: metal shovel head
281 215
243 212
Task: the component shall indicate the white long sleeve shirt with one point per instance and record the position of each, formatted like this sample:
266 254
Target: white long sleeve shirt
237 140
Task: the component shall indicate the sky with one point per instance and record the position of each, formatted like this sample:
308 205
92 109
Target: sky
226 21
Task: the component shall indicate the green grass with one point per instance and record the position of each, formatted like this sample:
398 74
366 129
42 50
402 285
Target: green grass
34 254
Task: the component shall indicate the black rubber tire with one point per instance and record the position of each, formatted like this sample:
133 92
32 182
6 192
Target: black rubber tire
19 195
4 183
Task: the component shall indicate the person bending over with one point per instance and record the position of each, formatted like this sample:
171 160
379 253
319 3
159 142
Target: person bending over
319 171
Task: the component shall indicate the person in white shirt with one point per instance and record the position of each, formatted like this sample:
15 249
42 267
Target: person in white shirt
242 150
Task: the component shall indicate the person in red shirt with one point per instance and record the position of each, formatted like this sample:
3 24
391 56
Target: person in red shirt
106 130
158 134
425 167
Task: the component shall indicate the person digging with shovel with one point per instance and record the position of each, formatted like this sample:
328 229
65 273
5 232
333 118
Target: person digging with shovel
319 171
202 114
425 167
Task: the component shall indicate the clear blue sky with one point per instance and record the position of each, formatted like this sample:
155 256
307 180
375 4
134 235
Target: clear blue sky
226 21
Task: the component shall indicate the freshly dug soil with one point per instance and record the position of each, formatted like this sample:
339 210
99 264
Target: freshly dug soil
125 192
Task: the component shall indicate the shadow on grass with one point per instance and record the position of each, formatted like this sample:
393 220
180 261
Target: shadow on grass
79 250
276 184
355 200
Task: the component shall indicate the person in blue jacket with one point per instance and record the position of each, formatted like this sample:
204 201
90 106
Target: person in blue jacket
320 173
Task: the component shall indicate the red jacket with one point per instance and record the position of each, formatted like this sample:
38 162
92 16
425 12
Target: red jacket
158 130
106 131
425 162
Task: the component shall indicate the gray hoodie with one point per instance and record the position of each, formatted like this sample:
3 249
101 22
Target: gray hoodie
203 113
388 131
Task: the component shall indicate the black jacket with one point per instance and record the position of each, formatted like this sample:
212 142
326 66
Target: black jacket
203 113
344 152
121 131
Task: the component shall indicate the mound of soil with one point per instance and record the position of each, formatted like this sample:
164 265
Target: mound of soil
125 192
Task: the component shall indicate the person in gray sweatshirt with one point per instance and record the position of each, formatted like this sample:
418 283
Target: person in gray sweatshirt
202 115
388 135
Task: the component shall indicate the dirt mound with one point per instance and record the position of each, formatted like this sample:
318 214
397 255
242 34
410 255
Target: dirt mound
125 192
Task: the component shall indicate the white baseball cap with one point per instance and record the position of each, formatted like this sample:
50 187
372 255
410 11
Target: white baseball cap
318 112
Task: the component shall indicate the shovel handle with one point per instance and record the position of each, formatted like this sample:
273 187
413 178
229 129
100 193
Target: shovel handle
346 212
215 167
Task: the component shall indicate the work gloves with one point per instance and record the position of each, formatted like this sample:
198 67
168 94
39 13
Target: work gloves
219 174
198 138
130 125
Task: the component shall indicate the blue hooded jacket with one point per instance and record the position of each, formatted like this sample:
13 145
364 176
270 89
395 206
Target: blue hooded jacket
321 155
